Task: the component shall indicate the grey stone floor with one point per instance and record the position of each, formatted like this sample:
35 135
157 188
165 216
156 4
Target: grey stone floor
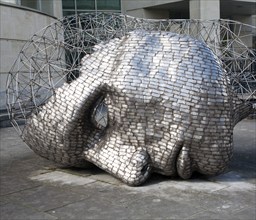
34 188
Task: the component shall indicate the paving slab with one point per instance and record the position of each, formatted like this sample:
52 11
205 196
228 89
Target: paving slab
122 203
15 211
46 197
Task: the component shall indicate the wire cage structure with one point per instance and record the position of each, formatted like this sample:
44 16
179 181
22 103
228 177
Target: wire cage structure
52 56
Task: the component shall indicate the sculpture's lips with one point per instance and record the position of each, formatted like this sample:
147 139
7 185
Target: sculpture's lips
183 163
179 162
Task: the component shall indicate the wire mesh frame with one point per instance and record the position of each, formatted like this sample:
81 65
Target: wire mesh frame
52 56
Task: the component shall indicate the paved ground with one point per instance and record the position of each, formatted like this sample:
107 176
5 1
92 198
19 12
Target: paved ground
34 188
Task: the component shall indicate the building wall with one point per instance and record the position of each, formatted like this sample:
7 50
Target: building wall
17 25
149 13
239 10
129 5
198 9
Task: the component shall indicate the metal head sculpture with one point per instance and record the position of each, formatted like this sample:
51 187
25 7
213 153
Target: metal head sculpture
148 101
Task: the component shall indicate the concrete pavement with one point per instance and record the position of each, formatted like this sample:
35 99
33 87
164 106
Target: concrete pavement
34 188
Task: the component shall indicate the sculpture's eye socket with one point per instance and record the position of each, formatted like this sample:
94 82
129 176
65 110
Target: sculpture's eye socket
99 116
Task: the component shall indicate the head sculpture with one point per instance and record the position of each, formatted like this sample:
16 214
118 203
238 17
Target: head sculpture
150 98
147 102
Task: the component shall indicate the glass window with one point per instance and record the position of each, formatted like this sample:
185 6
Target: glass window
47 6
85 4
81 6
68 4
108 5
81 12
66 13
9 1
30 3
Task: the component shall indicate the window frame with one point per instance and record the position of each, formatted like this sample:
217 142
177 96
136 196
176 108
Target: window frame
77 10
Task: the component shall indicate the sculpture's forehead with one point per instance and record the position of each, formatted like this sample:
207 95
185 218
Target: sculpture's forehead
144 62
153 61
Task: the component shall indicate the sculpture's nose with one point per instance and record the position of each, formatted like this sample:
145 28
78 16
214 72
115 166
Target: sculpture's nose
140 167
129 164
